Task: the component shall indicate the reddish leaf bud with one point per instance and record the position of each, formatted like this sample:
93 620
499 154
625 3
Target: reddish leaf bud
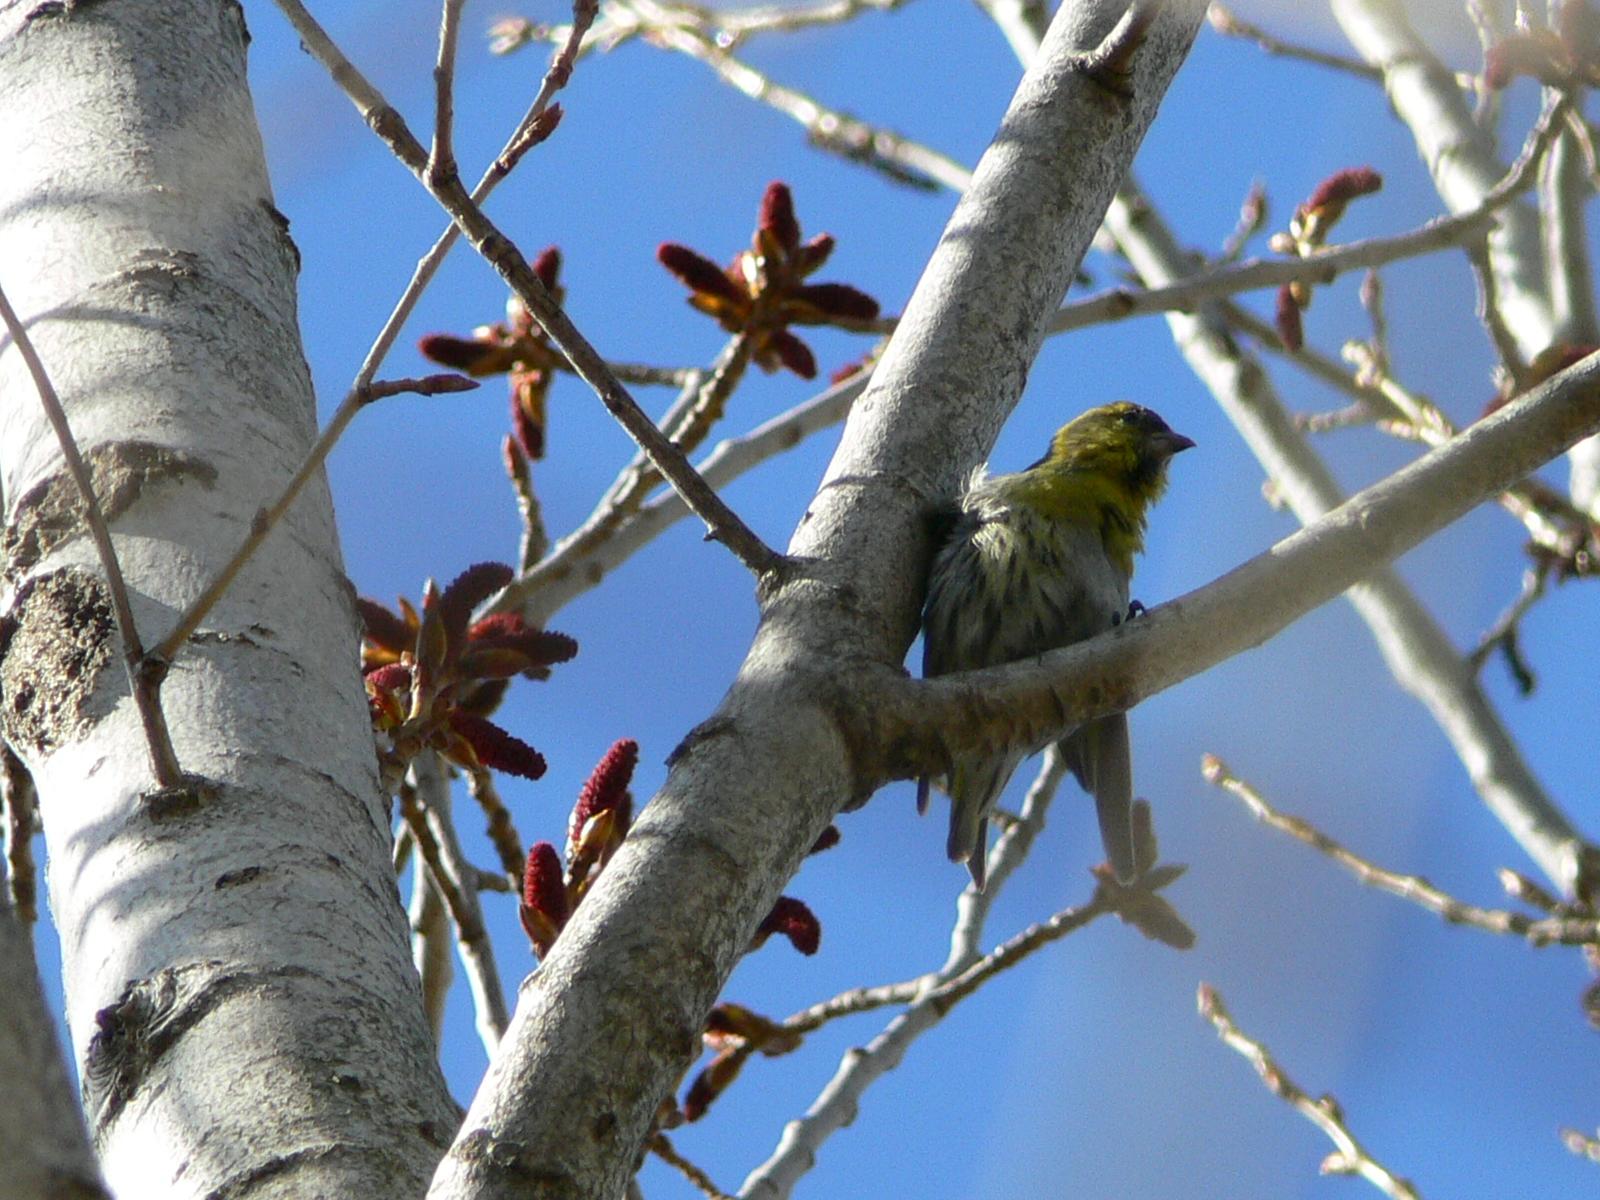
544 897
383 628
548 267
795 921
466 591
1344 186
777 217
837 301
794 354
605 788
700 274
496 748
813 254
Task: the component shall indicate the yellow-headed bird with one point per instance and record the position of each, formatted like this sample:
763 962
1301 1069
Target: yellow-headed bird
1037 560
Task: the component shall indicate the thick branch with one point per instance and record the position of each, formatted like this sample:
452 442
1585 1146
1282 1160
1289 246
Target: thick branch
611 1018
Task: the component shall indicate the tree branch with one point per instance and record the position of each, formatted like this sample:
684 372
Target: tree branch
624 992
144 685
1560 930
1349 1156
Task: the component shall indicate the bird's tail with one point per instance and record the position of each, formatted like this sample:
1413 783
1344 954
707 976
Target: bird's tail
1098 754
974 786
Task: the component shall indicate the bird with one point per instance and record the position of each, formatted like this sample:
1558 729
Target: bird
1035 560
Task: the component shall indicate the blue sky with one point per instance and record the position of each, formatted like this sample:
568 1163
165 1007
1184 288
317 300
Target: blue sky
1085 1071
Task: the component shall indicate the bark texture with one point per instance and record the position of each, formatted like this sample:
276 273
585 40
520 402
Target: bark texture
239 991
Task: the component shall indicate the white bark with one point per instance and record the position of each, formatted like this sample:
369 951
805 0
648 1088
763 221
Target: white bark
239 992
612 1017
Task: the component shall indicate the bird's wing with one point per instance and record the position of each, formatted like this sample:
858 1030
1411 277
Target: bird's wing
1098 754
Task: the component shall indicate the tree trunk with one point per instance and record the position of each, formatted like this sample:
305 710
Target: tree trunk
240 995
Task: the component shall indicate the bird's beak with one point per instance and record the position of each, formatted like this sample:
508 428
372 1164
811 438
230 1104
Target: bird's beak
1172 443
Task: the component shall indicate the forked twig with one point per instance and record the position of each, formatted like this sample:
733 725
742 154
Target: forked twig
1562 929
1226 23
1349 1156
723 523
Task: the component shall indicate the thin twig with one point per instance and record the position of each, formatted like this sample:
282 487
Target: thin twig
535 540
853 1002
1582 133
432 949
502 832
1372 302
1502 635
898 158
836 1105
1010 851
739 24
1490 28
699 405
442 158
427 385
1548 518
1559 930
1012 951
455 879
1565 187
1252 218
1513 371
664 1150
265 521
1349 1156
1226 23
1458 229
143 683
729 26
1322 267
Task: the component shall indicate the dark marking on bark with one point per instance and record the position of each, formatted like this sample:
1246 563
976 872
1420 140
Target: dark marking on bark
147 1020
485 1156
710 728
188 797
53 645
50 512
435 1134
221 637
281 224
248 1183
243 875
